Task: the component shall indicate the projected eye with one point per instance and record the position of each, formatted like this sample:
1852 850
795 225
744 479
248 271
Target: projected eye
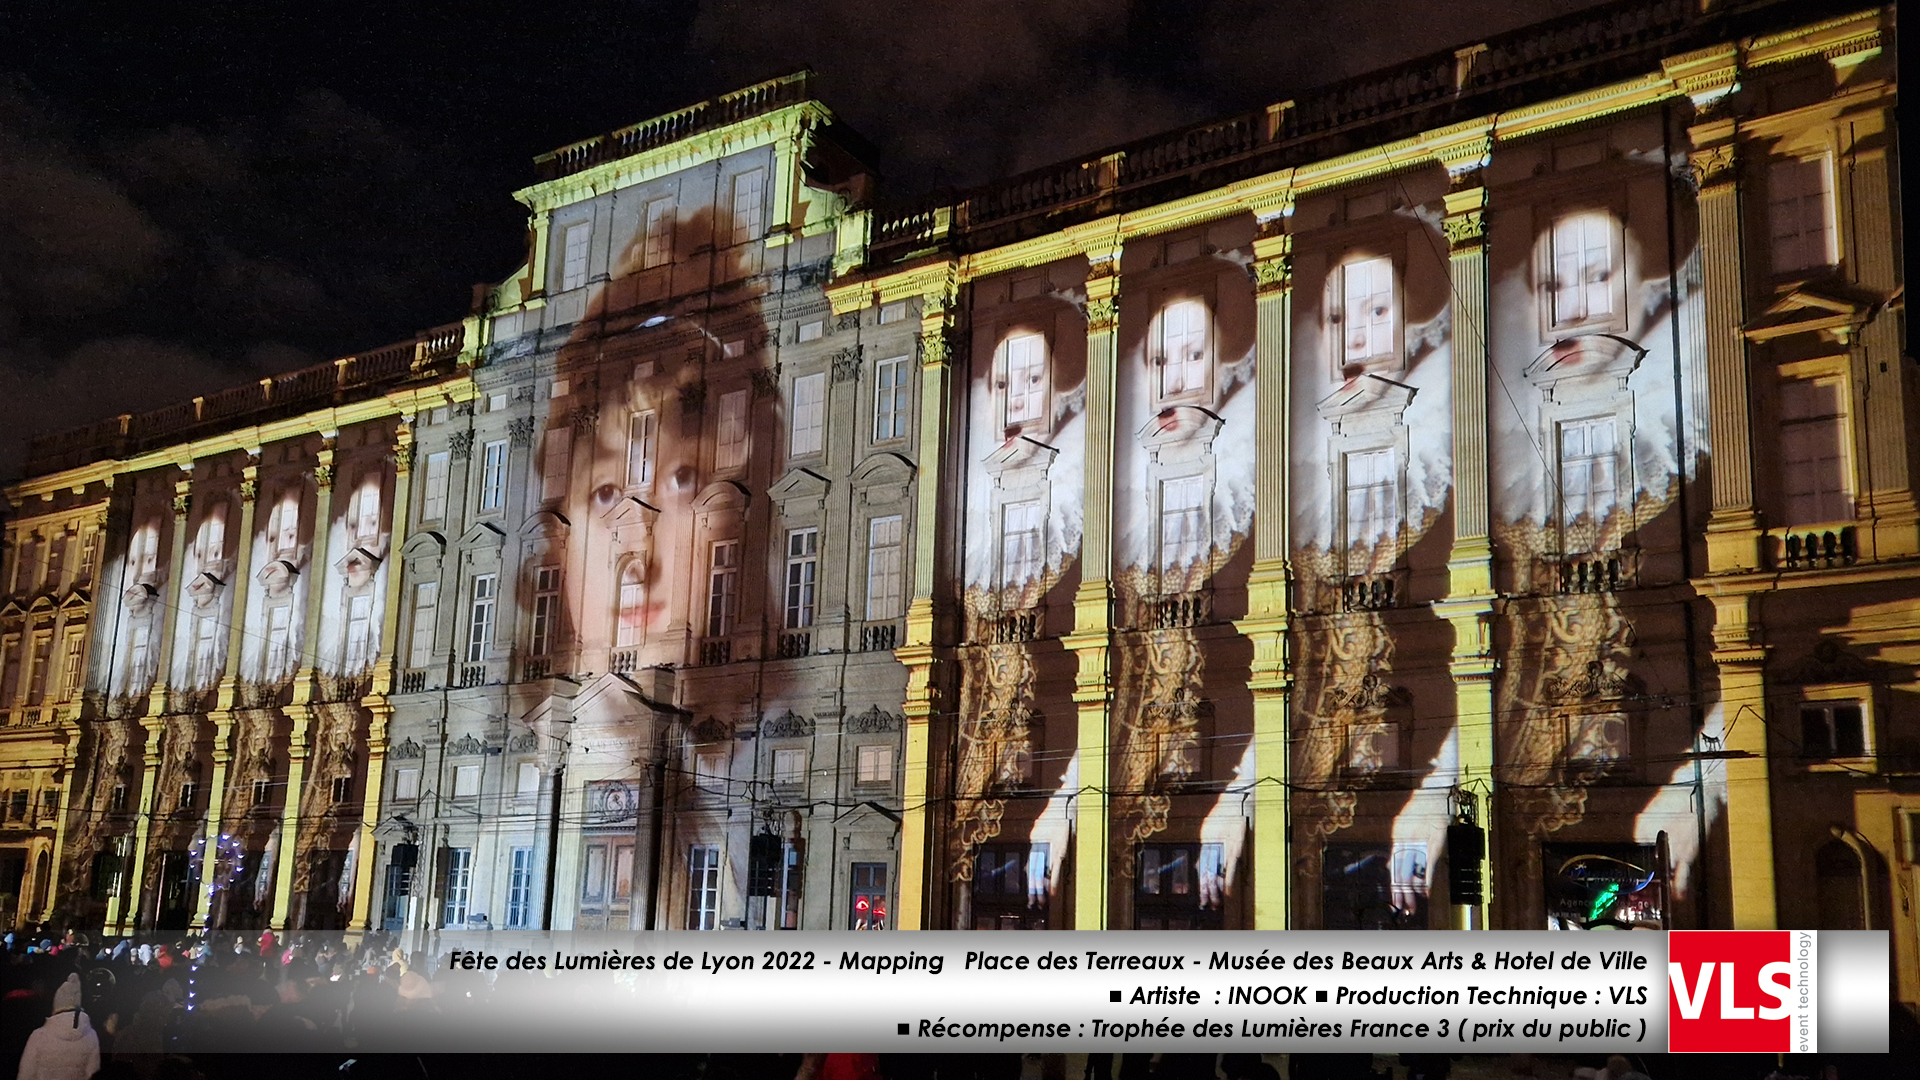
605 496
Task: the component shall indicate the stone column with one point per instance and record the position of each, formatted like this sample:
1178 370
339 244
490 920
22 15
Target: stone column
301 711
386 670
1743 716
1269 584
1469 602
170 608
123 912
222 715
1092 638
1733 527
917 879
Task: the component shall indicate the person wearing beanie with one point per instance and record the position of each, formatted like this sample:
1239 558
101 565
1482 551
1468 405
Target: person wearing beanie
65 1047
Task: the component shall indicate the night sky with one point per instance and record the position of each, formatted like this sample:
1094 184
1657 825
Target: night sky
193 196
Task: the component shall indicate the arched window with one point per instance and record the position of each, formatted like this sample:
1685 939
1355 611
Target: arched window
1840 886
633 602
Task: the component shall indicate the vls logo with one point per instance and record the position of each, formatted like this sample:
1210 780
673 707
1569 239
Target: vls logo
1741 990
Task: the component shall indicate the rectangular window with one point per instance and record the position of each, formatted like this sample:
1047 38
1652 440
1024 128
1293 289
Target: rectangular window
1179 887
573 257
723 588
73 666
1185 535
1815 466
546 609
703 887
749 191
9 672
1583 270
556 463
279 638
1010 887
1800 214
459 886
869 901
873 764
811 330
1022 543
885 572
643 438
526 783
1183 348
360 642
710 771
893 313
1366 313
891 407
342 790
789 766
1833 729
1587 469
466 781
593 874
658 250
520 889
493 476
426 608
142 644
1372 498
439 469
206 650
809 414
732 451
803 560
406 785
480 622
366 511
633 605
1025 380
1374 886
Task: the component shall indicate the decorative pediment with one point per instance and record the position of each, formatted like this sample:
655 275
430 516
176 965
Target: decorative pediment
629 512
712 730
1829 663
1829 309
424 545
357 565
204 589
138 597
408 749
1367 394
610 802
1589 356
789 725
466 746
1179 425
1371 694
545 523
723 494
1021 450
800 484
278 576
873 721
1597 682
886 467
483 535
77 600
524 743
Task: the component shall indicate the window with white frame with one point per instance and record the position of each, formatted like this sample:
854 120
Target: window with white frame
789 766
526 781
279 638
1800 214
459 886
573 255
480 618
1022 542
885 572
1815 467
1372 481
710 771
360 637
406 785
749 195
731 452
643 439
556 463
703 887
811 330
546 610
658 248
893 313
803 560
891 407
433 506
1183 349
809 414
365 511
42 666
520 889
633 605
1366 314
1588 466
206 649
73 665
212 545
283 525
493 475
1023 379
426 607
873 764
466 781
723 588
1186 534
1582 260
10 650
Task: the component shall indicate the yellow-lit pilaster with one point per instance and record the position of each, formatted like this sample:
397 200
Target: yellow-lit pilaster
1269 585
123 911
1092 637
1733 537
222 715
301 710
385 671
1743 711
1469 602
540 226
918 652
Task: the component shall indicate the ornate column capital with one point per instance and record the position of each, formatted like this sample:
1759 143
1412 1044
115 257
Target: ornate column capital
1466 220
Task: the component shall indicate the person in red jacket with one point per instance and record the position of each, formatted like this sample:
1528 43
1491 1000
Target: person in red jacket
267 942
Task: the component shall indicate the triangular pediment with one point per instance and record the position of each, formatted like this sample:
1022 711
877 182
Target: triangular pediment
801 484
1366 393
630 512
483 535
1828 309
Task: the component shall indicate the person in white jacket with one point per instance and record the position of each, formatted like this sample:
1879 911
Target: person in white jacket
65 1047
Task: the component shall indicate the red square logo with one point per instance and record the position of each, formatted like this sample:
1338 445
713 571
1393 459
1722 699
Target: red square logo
1739 990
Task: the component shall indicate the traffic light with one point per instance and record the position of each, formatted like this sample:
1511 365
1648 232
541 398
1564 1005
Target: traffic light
1466 847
